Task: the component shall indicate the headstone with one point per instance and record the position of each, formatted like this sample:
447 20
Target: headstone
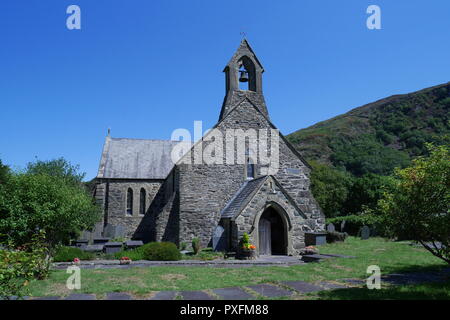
331 228
219 239
112 231
365 233
93 248
315 238
81 243
343 226
113 247
101 240
133 244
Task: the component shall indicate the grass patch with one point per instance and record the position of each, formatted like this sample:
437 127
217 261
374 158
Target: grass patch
390 256
426 291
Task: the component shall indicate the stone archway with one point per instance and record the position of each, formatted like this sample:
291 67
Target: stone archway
272 233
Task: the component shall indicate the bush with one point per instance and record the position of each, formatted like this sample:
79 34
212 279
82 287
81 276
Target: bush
134 254
18 266
196 245
67 254
336 236
161 251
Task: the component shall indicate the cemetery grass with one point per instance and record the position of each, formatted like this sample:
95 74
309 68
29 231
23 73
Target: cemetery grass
391 257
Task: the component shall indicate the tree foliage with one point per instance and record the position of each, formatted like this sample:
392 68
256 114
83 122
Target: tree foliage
4 172
419 206
53 201
365 192
330 188
60 168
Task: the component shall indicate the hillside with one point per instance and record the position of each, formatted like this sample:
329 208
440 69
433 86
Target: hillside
381 135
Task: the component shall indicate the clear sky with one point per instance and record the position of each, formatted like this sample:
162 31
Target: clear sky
144 68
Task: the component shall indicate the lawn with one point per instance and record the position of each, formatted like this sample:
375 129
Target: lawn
389 256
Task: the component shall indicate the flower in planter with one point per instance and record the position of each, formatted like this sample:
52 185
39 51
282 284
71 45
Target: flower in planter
310 250
76 261
125 260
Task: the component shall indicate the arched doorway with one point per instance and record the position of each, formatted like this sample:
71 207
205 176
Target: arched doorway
272 233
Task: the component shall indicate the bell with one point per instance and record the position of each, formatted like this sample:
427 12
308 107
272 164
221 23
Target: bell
244 76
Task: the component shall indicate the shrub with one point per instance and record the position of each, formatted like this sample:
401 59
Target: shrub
196 245
161 251
18 266
336 236
134 254
67 254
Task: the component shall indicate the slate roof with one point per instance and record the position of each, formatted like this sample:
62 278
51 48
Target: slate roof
124 158
242 197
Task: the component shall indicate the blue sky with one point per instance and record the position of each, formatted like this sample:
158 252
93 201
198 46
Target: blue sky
145 68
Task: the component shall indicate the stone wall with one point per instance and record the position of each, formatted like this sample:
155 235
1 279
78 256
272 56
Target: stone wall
206 189
271 194
115 191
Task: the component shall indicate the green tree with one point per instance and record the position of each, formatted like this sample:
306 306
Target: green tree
32 202
57 168
419 206
330 188
366 191
4 172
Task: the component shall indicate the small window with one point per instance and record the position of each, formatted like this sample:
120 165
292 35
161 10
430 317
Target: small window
250 169
142 202
129 202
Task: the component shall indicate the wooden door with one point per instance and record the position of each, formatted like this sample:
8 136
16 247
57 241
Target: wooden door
265 244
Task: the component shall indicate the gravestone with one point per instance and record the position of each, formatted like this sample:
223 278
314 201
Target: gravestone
365 233
93 248
81 243
101 240
315 238
219 239
331 228
133 244
343 226
112 231
113 247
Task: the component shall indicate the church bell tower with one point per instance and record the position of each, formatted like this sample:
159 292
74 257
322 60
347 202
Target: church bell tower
243 68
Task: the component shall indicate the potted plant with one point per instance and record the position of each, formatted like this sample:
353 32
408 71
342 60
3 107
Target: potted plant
125 260
76 261
246 250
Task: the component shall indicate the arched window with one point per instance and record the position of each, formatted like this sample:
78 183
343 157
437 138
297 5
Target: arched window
130 202
142 202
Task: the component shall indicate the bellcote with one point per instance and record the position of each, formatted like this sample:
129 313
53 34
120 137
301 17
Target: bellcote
243 79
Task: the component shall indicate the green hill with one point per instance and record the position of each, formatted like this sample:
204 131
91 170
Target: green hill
381 135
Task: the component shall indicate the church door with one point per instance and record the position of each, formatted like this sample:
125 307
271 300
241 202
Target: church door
265 244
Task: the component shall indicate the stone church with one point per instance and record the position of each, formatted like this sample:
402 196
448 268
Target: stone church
155 198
